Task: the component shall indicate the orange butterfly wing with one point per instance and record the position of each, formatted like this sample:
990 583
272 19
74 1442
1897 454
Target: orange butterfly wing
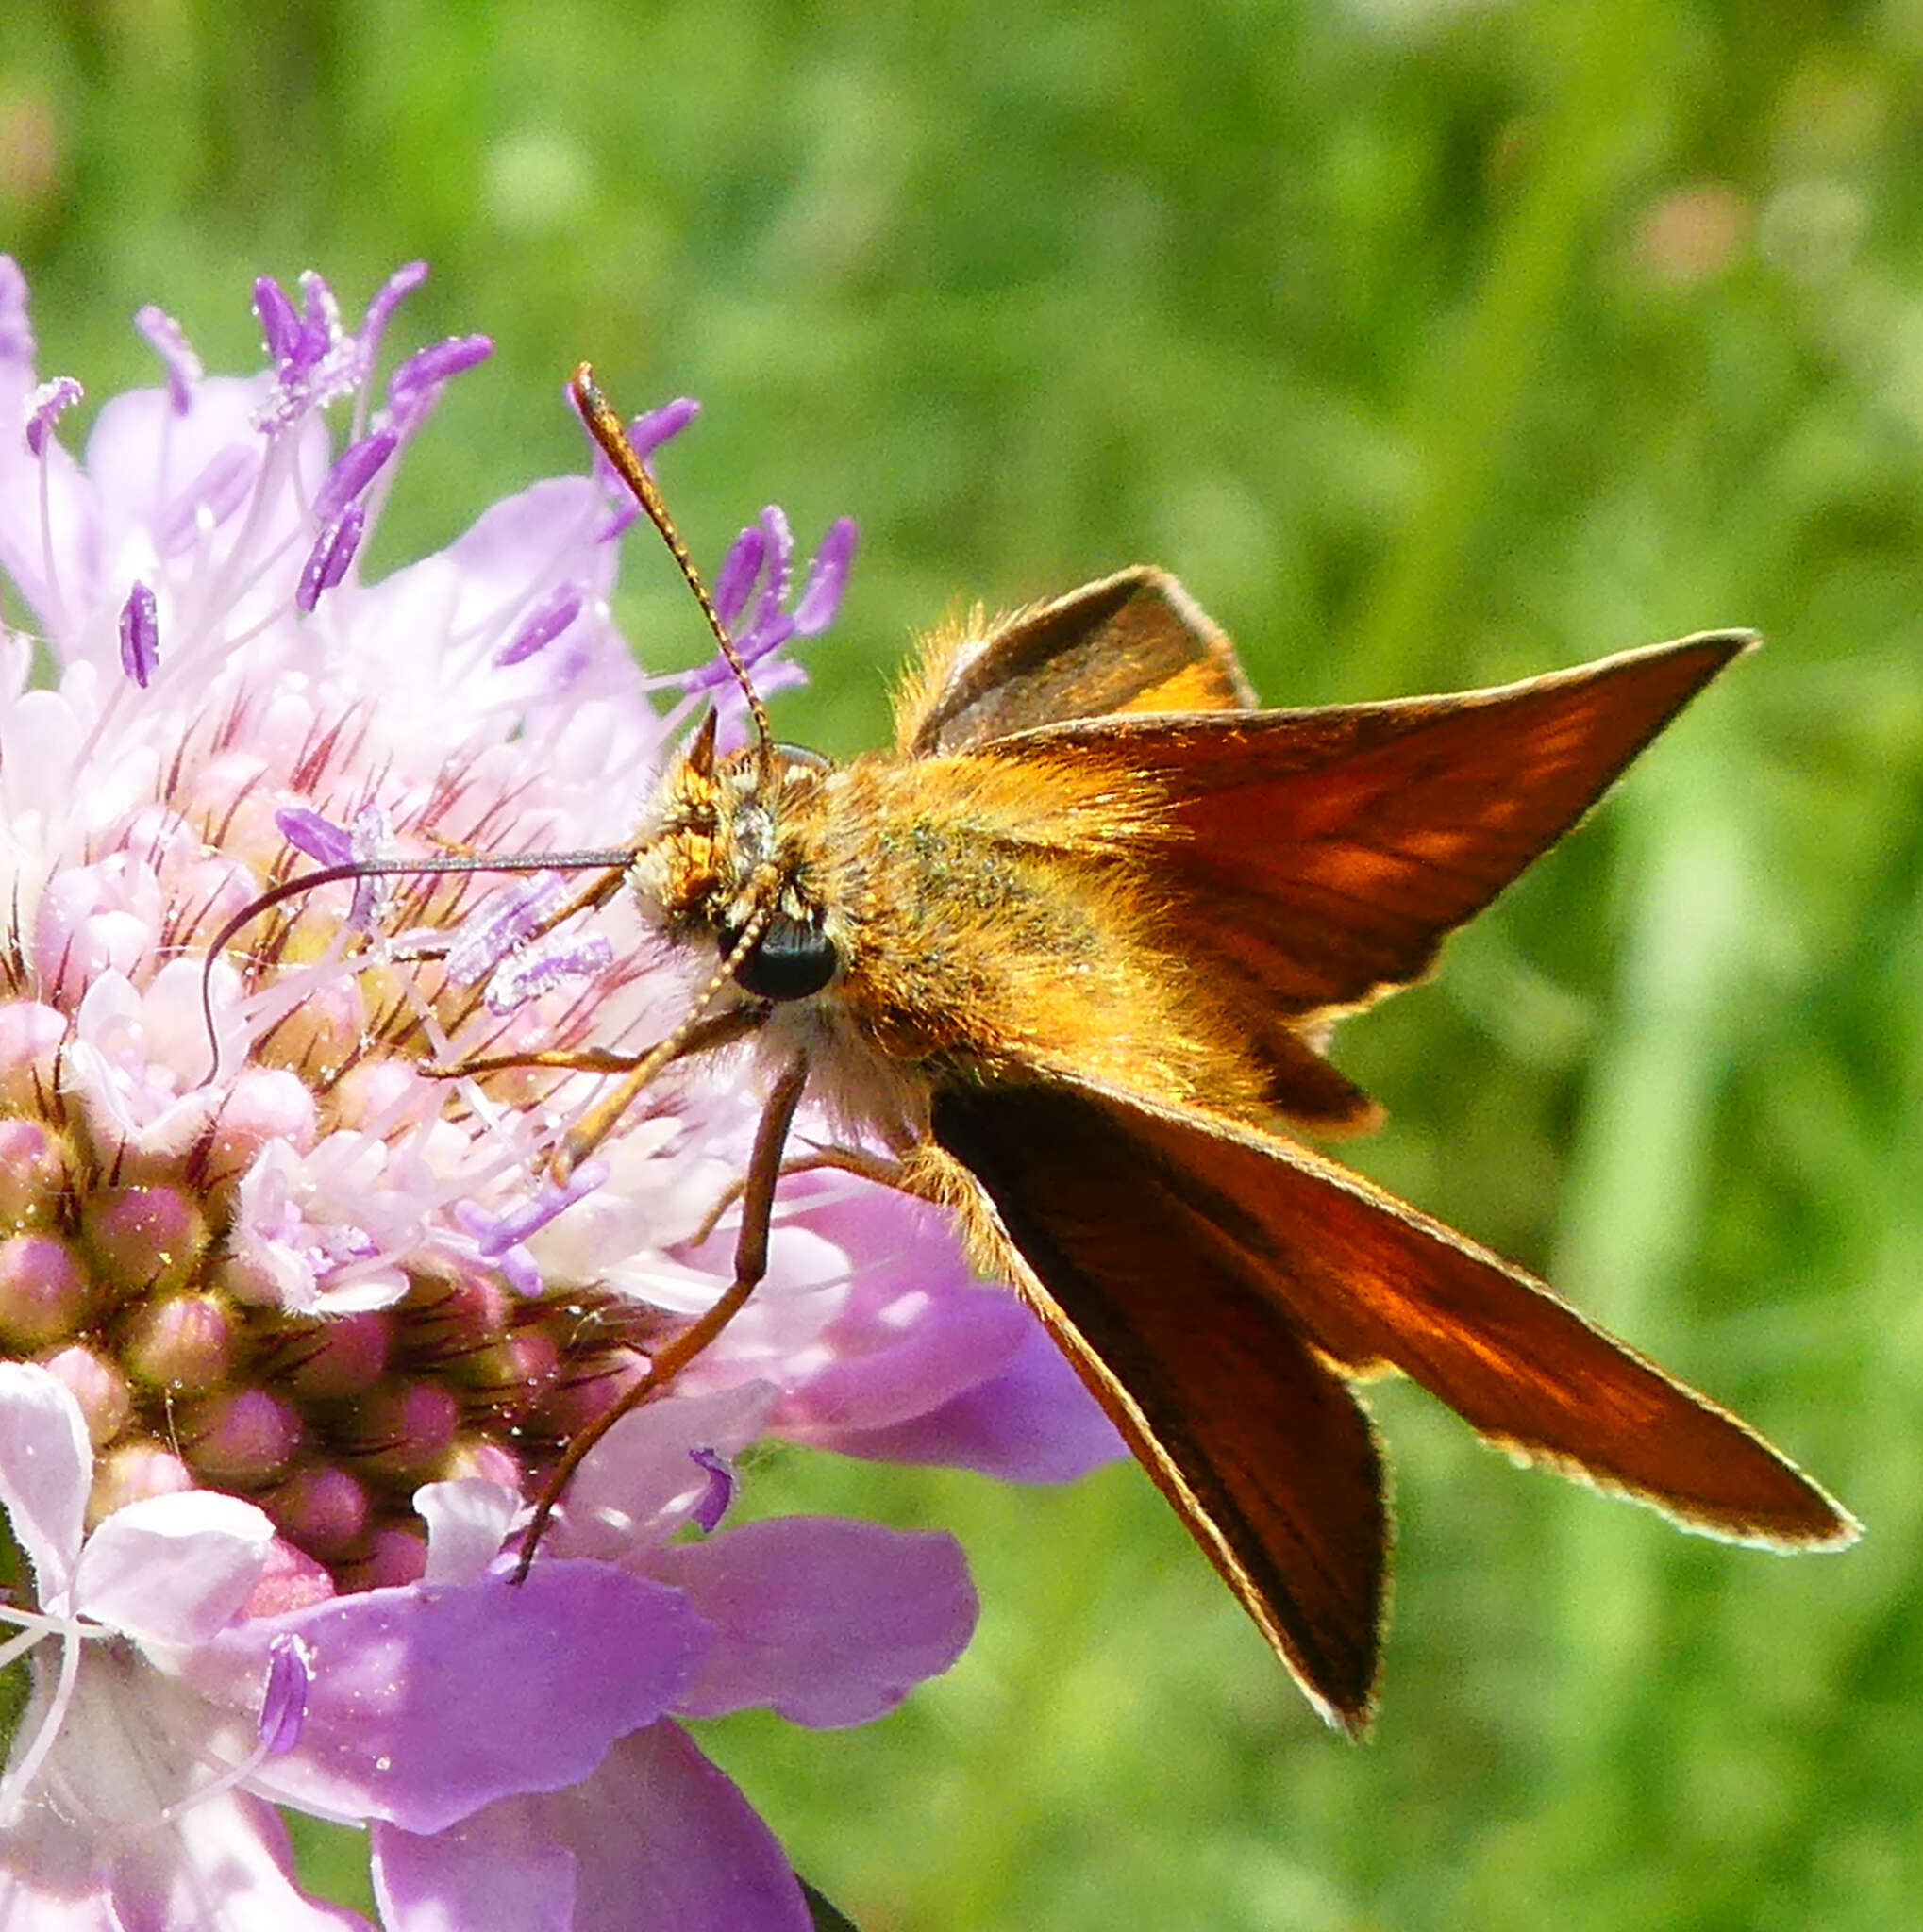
1322 856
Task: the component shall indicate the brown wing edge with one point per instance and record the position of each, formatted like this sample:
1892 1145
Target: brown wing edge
1260 1448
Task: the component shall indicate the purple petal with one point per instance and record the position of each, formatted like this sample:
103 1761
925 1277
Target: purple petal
173 1570
284 1704
46 1465
503 1870
327 561
658 1838
139 636
358 466
738 571
830 1623
16 335
539 629
1034 1422
427 1703
641 1484
45 406
183 366
224 1865
468 1520
827 578
647 433
320 838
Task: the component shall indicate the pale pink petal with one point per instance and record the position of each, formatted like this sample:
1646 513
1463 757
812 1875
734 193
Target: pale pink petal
656 1841
467 1521
830 1623
641 1482
427 1703
104 1855
46 1465
235 1875
172 1570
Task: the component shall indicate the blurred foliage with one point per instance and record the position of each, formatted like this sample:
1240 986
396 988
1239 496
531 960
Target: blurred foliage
1432 343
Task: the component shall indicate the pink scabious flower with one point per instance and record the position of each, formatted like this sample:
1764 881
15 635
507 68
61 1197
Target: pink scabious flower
289 1341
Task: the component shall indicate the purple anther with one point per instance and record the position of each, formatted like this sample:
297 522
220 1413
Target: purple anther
170 343
354 470
506 917
494 1234
321 839
827 578
429 368
781 557
540 968
387 298
327 561
279 320
44 407
139 635
320 315
542 627
646 434
740 569
719 1493
284 1703
373 892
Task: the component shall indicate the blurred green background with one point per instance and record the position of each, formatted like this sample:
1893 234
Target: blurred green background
1433 345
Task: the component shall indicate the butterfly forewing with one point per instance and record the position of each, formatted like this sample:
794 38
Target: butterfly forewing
1262 1450
1318 858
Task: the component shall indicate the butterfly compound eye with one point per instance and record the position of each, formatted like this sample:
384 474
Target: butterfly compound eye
791 959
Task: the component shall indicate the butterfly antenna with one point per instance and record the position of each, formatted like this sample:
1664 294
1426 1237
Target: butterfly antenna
605 428
612 859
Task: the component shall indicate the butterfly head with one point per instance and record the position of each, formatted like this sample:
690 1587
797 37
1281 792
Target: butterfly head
724 855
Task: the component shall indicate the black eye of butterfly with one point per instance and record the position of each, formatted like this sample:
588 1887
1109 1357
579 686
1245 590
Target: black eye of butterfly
793 959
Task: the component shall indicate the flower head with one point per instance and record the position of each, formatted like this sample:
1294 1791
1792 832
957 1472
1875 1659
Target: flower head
302 1294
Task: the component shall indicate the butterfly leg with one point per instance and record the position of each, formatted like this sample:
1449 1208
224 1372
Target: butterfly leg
750 1264
720 1030
879 1168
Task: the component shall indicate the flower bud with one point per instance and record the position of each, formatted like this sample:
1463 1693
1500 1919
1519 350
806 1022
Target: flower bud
97 1386
243 1439
143 1240
184 1343
44 1292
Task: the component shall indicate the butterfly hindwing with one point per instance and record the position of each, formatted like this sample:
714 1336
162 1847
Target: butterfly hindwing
1263 1451
1135 641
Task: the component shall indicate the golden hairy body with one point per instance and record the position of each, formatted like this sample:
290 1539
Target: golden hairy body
987 915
